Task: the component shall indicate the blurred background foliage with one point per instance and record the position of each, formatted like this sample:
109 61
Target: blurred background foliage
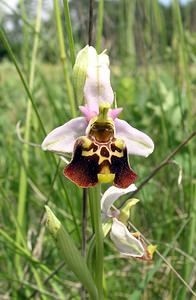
152 48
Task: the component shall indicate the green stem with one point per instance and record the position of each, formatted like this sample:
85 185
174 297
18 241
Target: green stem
69 31
183 60
25 152
25 44
63 57
94 194
99 25
130 7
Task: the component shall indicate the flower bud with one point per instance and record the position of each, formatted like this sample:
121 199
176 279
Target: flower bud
52 223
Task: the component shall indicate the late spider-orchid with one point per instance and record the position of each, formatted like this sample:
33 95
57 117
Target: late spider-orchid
99 141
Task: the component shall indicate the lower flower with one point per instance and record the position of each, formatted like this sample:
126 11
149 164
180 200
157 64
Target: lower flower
128 244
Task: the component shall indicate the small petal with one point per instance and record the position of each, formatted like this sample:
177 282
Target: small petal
124 241
97 88
111 195
88 114
137 142
62 138
113 113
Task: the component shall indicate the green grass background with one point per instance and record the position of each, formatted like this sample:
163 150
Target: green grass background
152 52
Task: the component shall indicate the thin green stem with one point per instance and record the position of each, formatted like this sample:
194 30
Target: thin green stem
63 57
183 60
25 153
25 44
69 31
191 239
39 283
84 220
100 25
94 194
130 7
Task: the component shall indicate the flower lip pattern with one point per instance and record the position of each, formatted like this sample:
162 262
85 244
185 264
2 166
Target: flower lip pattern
128 244
99 141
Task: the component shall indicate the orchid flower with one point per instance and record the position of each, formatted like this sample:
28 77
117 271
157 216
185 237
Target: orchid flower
129 244
99 141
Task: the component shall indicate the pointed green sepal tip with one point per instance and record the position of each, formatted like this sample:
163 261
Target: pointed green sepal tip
125 211
106 227
52 223
151 249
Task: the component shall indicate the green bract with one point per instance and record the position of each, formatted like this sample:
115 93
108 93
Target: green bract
79 72
70 253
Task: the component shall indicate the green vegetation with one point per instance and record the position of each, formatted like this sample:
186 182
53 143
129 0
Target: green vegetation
152 52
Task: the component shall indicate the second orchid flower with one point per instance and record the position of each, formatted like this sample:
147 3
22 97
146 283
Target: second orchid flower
129 244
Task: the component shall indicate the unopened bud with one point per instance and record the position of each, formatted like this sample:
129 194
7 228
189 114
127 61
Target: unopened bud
52 223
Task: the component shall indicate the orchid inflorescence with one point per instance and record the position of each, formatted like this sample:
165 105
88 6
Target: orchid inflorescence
100 143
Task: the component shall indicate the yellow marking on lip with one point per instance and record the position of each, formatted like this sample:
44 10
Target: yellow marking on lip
106 178
86 142
105 170
119 143
101 157
88 152
117 154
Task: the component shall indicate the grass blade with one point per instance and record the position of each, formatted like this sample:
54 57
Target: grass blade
63 57
69 32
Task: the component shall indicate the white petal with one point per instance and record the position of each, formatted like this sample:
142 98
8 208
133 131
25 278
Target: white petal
62 138
111 195
97 88
124 241
137 142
